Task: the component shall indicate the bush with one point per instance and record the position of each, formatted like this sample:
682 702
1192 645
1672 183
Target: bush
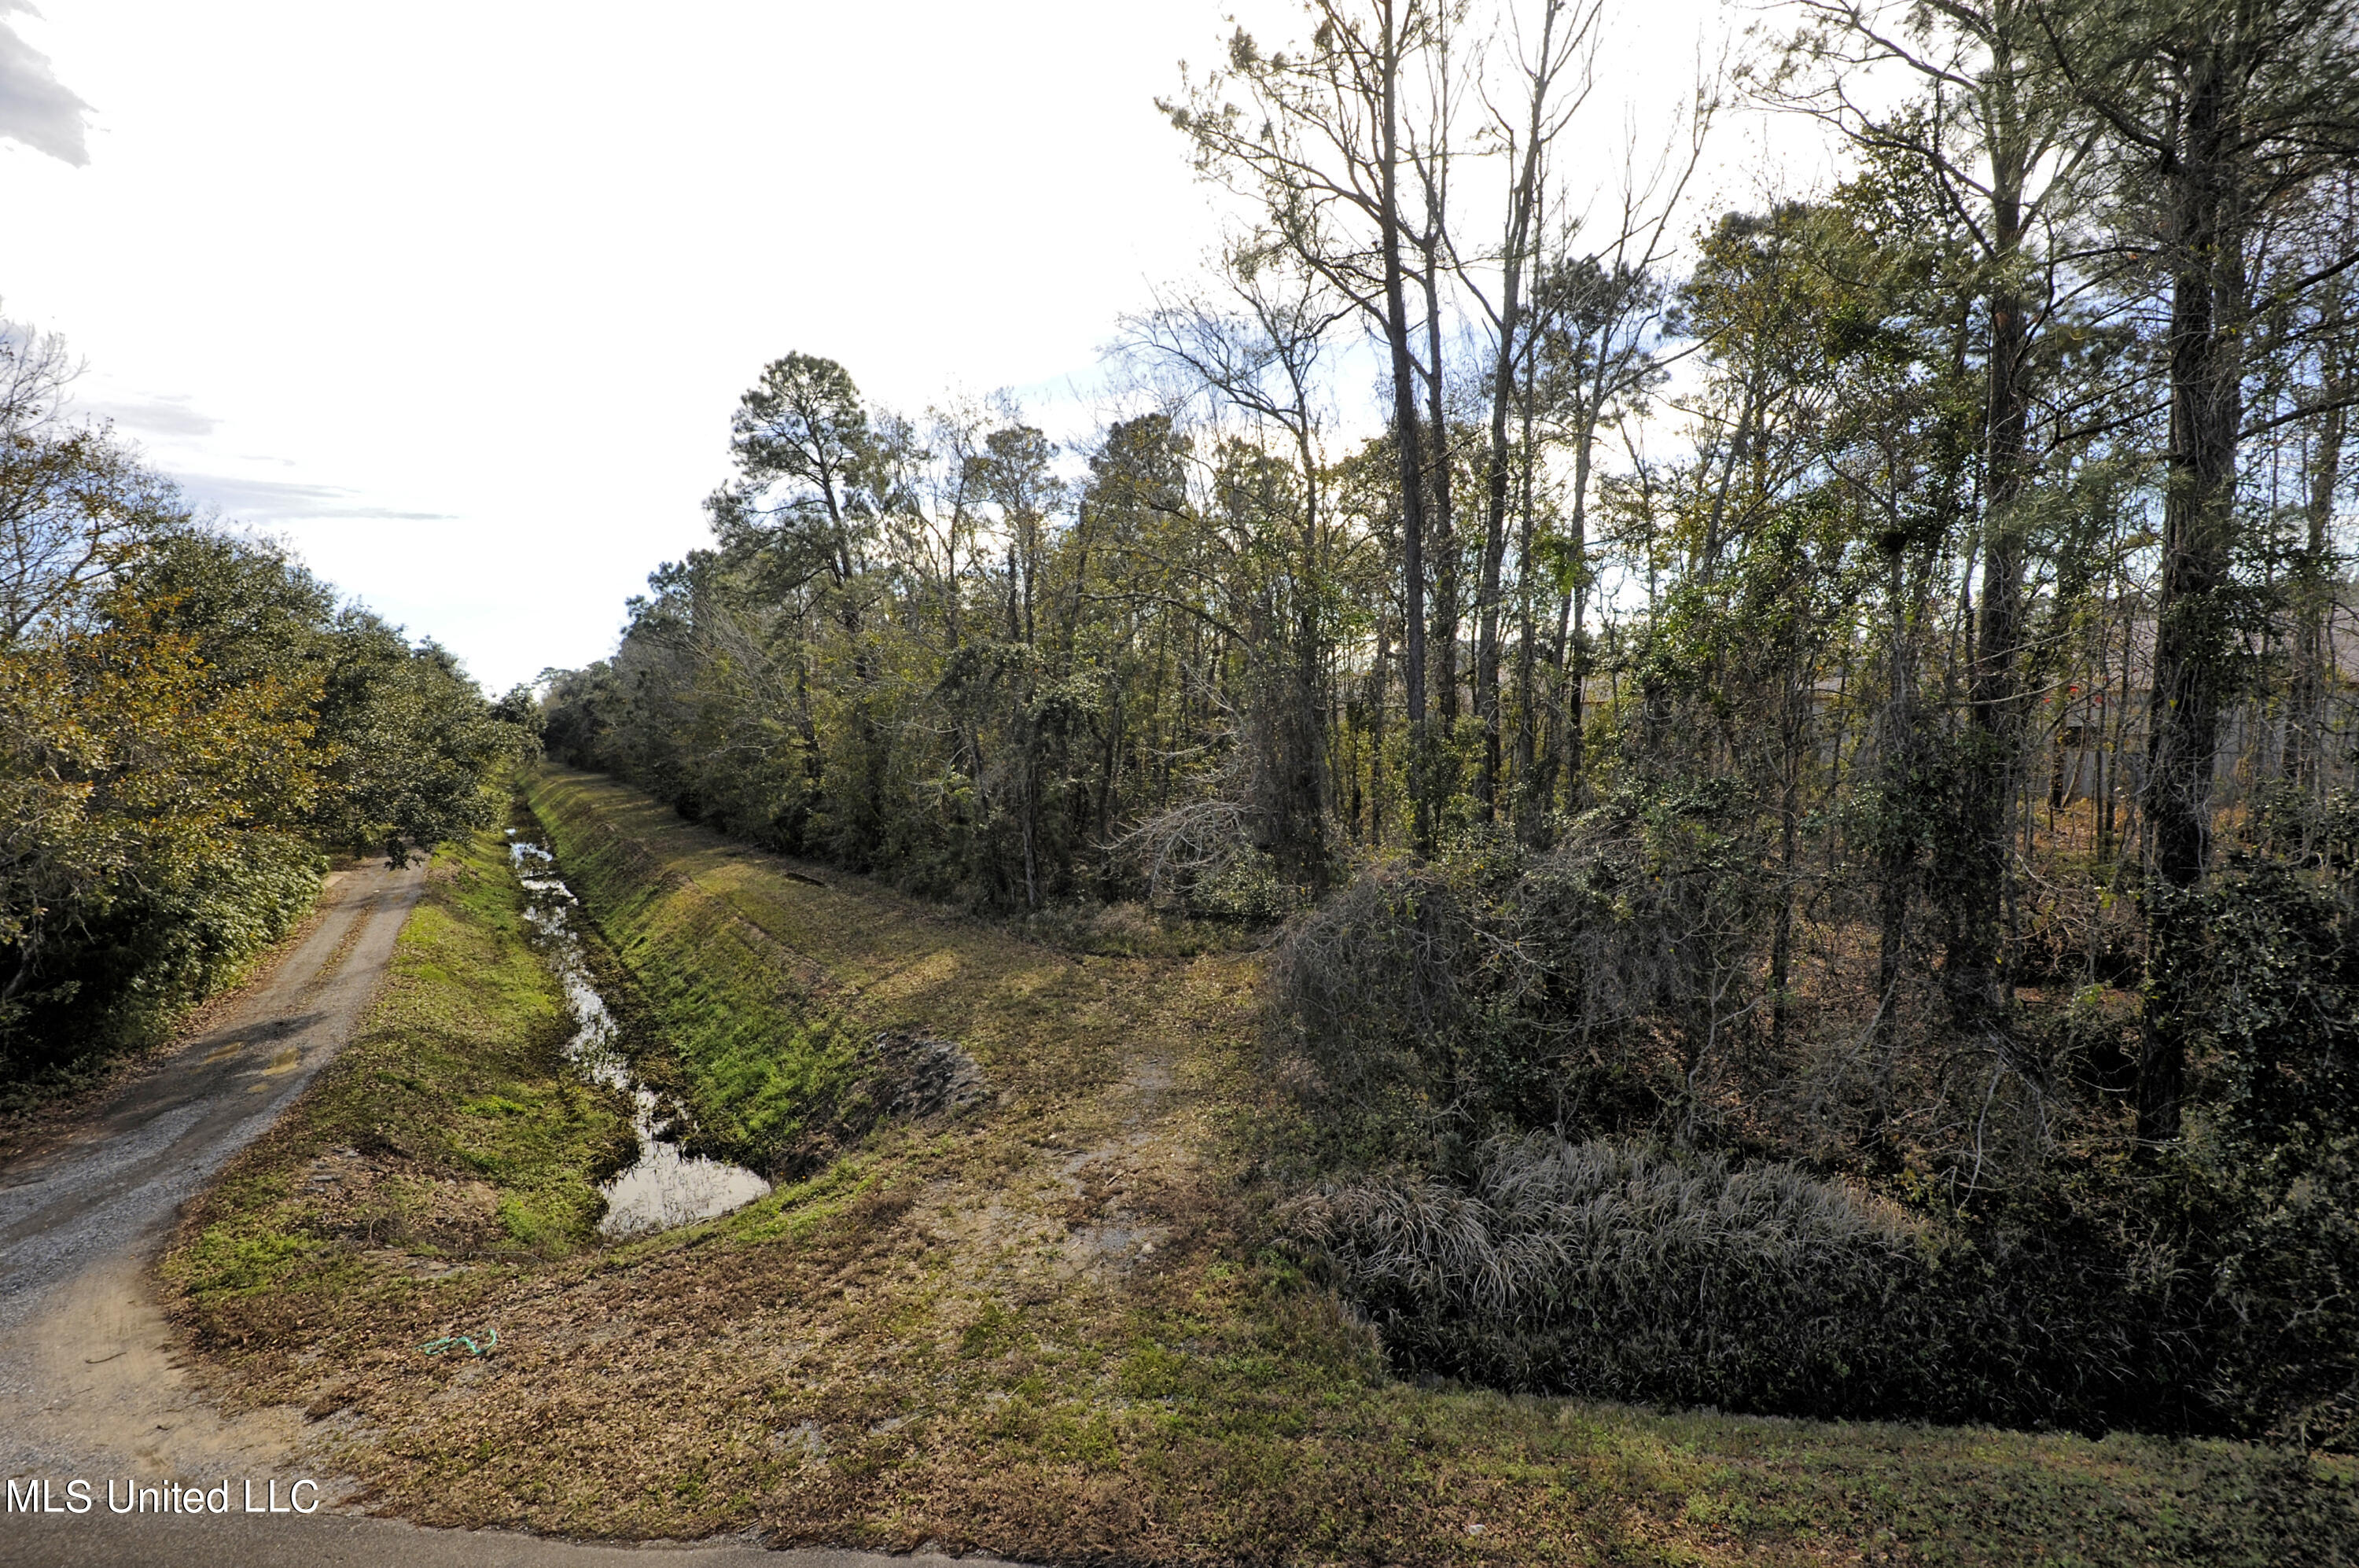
1618 1271
1607 1269
165 947
2269 989
1368 996
2286 1299
1600 987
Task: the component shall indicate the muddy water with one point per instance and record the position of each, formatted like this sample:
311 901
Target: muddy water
664 1187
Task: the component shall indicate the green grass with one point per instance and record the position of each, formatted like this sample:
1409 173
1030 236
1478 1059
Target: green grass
945 1336
448 1129
756 1047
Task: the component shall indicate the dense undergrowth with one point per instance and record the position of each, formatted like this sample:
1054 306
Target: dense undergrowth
157 950
1550 1147
953 1333
1535 1097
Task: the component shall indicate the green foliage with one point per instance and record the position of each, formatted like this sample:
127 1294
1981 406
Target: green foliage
156 949
414 755
187 720
2285 1274
2276 963
152 814
925 654
2273 972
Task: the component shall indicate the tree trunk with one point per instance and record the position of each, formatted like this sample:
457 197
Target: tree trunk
1439 498
1532 805
1405 442
2191 619
1522 218
2314 593
1974 969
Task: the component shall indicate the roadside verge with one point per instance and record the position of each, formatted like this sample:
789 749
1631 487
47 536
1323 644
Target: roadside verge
444 1148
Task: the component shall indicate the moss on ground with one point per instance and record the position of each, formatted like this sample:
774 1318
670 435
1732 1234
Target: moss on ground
1051 1329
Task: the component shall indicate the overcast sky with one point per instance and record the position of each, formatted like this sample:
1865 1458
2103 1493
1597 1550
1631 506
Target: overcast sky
457 298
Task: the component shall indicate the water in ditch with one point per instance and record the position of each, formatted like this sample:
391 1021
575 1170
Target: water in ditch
663 1187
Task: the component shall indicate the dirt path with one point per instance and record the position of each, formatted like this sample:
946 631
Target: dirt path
89 1384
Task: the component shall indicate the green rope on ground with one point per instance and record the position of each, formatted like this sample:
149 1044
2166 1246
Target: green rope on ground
437 1346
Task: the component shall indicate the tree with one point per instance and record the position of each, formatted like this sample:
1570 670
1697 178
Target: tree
73 501
1328 150
1260 359
2006 147
1566 43
2220 116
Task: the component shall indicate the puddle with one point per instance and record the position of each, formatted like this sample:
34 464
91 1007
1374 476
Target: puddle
663 1187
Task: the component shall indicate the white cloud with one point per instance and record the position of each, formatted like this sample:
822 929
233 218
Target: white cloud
36 108
485 281
168 416
275 501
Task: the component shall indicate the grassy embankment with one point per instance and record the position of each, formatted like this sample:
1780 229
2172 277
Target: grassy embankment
1051 1329
446 1146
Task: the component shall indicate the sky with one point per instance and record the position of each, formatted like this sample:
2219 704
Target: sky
456 298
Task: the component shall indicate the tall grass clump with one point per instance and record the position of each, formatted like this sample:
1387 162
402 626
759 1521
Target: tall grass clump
1609 1269
1615 1270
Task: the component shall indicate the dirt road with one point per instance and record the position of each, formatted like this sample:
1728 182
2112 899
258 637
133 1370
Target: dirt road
89 1389
108 1188
87 1383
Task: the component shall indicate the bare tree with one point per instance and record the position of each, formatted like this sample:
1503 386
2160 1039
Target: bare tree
1326 148
1556 78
